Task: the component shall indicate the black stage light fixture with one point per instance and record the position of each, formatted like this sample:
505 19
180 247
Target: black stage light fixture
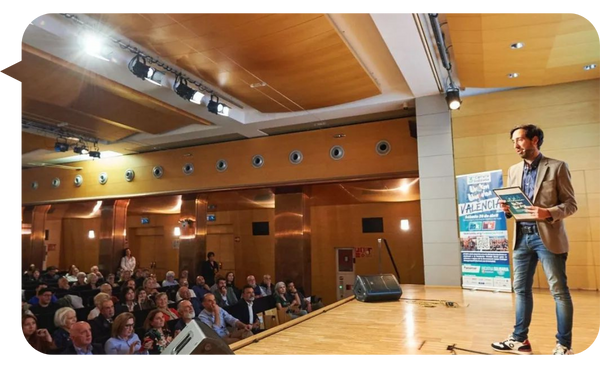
61 146
453 98
138 67
181 88
213 104
94 154
82 150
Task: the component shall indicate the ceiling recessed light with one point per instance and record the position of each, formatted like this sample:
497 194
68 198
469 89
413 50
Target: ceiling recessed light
517 45
590 67
512 75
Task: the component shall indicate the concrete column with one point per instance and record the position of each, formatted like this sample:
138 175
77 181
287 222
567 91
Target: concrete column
113 224
192 246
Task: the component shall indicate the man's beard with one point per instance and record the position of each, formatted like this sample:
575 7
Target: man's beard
191 315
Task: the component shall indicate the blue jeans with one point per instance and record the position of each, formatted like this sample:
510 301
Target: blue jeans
528 250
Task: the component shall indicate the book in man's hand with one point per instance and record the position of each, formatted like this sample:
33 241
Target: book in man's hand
516 201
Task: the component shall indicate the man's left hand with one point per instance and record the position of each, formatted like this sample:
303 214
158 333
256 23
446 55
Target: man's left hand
538 212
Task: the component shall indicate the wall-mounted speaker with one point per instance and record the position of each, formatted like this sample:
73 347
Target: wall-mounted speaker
188 168
221 165
129 174
78 180
55 183
383 147
258 161
296 157
372 225
336 152
157 172
34 185
103 178
377 288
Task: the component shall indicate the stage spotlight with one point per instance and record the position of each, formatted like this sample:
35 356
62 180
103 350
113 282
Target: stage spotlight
82 150
61 147
94 45
453 98
216 107
94 154
181 88
138 67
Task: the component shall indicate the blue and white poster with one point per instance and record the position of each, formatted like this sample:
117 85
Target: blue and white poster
483 235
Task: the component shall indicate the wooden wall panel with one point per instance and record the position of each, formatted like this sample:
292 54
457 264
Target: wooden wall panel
569 114
360 161
77 248
55 230
341 227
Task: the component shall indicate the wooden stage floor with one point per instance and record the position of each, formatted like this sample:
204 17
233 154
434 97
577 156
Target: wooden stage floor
420 327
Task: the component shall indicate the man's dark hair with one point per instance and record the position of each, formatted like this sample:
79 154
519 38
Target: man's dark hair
44 290
288 282
247 287
219 278
530 132
210 254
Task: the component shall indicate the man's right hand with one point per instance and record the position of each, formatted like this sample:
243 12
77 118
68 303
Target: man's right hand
504 206
216 309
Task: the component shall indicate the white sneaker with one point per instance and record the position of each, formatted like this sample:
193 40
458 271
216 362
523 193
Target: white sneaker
510 345
562 350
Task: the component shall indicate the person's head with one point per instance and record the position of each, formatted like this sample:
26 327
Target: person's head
100 298
107 309
170 276
51 270
184 293
248 293
200 280
527 140
81 334
72 270
123 325
162 301
126 275
63 283
141 295
94 269
65 318
92 279
183 274
230 277
29 325
211 256
127 294
45 296
81 278
36 274
130 283
251 280
110 278
127 252
280 287
221 283
209 302
106 288
155 319
139 273
183 282
185 310
289 284
267 279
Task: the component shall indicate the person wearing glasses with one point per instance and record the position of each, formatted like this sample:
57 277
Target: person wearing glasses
124 340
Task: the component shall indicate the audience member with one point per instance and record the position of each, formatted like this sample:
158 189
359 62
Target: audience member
124 340
81 283
281 302
81 341
110 279
200 288
267 286
186 313
45 304
162 304
224 296
128 300
94 269
252 282
245 311
230 282
39 339
98 300
293 294
50 274
183 274
91 281
35 300
63 283
217 318
72 275
102 325
128 261
185 293
170 279
156 332
210 268
64 319
142 299
28 274
107 289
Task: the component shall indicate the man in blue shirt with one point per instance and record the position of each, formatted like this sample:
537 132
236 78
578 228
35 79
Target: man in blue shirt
81 341
217 318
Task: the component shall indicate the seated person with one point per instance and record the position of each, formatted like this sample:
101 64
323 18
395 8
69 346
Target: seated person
124 340
128 284
293 294
140 276
81 341
128 300
50 274
267 286
81 283
151 286
183 275
35 300
45 304
224 296
40 339
64 319
200 288
110 279
156 332
94 269
252 282
170 279
281 302
102 325
92 281
142 299
28 274
72 275
186 314
183 284
217 318
63 284
185 293
107 289
125 276
162 304
230 281
245 311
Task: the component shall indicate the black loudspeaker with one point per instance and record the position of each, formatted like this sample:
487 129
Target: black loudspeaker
376 288
197 338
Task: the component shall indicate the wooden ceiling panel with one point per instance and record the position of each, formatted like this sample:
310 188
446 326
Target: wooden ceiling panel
32 142
554 43
124 23
233 50
80 122
56 91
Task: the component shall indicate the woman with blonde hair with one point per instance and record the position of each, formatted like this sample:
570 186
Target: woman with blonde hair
162 304
291 307
64 318
124 340
98 300
92 281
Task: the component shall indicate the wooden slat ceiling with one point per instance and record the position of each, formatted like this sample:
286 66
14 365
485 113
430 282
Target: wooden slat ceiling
55 91
557 47
301 57
33 142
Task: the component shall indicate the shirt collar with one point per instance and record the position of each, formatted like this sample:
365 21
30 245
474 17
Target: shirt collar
535 163
90 348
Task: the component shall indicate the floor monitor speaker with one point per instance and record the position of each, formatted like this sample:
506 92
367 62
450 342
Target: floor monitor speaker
197 338
376 288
